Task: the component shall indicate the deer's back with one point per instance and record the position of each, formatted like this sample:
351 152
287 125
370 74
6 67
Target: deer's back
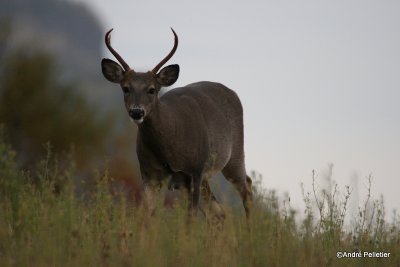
205 97
210 119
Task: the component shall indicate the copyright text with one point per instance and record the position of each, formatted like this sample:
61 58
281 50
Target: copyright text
362 254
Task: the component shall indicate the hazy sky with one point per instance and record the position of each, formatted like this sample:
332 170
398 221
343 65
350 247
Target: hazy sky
319 80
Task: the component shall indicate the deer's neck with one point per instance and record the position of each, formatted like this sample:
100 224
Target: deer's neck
158 128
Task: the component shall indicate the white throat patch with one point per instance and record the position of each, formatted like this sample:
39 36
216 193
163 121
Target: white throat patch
137 122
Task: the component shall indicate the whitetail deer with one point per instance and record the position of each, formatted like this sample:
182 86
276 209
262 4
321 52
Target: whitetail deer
189 133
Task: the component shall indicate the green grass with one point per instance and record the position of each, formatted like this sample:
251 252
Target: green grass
45 222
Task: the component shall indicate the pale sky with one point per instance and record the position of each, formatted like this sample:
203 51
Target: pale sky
319 80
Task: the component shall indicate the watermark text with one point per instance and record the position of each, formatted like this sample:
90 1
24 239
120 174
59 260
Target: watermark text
362 254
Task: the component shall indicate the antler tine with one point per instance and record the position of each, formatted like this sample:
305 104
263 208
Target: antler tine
155 70
116 55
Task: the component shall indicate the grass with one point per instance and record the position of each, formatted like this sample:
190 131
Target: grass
45 222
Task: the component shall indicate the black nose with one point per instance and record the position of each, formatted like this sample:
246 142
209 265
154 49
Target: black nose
136 113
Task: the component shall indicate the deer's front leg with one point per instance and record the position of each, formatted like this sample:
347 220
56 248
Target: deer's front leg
153 172
150 188
194 194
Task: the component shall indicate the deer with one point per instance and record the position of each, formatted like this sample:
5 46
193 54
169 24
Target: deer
187 134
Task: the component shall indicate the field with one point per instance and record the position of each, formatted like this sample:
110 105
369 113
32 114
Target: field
48 218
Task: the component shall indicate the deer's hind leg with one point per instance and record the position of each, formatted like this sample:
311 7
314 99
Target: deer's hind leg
192 185
216 213
235 172
207 198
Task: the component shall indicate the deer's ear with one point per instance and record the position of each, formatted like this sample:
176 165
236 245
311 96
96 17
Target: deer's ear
112 70
168 75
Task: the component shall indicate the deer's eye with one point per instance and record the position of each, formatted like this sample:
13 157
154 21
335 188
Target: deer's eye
151 91
125 90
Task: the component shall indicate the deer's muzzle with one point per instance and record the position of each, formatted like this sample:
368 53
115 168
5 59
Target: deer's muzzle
136 113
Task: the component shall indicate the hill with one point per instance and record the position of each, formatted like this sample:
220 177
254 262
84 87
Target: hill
69 32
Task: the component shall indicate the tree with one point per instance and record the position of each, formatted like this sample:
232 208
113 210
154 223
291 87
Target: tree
36 108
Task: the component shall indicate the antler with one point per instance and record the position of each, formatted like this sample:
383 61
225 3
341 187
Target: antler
116 55
155 70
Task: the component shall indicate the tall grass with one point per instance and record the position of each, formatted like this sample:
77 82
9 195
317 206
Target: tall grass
44 222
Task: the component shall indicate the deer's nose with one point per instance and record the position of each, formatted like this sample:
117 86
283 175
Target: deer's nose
136 113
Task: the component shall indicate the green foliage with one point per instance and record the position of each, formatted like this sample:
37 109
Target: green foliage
37 108
11 180
42 227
